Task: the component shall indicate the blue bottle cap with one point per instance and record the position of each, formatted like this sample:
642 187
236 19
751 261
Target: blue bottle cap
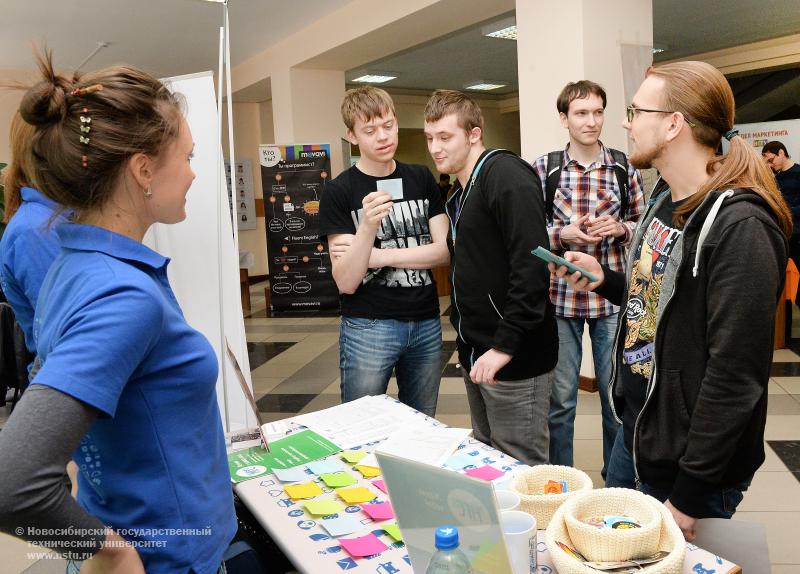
446 537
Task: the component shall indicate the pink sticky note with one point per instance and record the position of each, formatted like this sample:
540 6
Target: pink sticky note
485 472
380 485
379 511
363 546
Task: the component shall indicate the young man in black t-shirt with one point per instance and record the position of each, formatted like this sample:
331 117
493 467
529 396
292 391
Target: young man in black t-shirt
386 228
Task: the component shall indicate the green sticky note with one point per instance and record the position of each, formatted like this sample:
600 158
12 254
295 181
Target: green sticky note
323 507
352 456
393 530
337 479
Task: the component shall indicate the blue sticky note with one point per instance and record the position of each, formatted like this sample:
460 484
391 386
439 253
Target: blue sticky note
344 524
325 466
296 474
459 461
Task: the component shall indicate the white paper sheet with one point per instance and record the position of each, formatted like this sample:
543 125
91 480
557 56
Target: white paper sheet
423 443
359 422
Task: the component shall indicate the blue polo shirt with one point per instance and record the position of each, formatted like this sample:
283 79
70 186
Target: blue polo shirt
28 247
110 333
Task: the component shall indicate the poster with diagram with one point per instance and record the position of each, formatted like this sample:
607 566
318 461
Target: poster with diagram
292 177
241 193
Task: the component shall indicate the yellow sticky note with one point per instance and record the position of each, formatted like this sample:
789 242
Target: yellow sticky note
355 495
298 491
393 530
353 456
368 471
323 507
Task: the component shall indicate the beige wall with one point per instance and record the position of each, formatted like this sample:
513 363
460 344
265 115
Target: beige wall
501 127
587 38
248 132
9 104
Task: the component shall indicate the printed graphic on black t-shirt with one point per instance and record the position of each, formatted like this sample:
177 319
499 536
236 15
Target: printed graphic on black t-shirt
645 287
405 226
387 292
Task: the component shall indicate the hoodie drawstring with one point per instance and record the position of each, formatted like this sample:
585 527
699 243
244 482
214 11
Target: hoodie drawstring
709 221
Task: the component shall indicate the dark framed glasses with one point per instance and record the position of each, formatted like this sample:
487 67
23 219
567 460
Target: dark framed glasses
631 113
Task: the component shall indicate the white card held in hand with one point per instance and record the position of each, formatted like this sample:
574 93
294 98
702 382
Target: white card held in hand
393 187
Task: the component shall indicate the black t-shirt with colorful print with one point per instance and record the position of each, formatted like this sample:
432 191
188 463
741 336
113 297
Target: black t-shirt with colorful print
646 276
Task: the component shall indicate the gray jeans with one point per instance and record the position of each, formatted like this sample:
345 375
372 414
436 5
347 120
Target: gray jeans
512 416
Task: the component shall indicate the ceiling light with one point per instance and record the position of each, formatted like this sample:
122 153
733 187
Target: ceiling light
505 29
484 85
375 78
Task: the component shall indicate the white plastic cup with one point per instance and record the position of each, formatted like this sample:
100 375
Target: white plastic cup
519 532
507 500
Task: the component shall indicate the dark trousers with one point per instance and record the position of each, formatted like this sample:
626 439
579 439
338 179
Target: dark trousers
721 503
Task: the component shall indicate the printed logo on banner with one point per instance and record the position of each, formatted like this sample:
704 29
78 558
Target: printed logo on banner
270 155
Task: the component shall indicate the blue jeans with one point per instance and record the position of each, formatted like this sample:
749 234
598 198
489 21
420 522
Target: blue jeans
512 416
564 396
720 504
370 348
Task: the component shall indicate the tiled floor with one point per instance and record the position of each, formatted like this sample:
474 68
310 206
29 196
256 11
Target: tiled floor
294 365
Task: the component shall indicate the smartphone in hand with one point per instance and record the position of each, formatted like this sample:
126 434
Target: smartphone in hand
550 257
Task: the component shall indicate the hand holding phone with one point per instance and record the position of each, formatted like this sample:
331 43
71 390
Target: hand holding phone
550 257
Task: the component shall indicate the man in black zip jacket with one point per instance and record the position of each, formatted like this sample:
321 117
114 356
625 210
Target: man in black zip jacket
507 337
706 267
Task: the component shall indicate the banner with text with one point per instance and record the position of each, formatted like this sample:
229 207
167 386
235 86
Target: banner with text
785 131
300 275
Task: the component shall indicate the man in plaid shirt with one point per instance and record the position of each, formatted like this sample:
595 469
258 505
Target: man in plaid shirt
587 215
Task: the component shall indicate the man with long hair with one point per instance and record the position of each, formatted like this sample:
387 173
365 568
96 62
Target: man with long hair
705 269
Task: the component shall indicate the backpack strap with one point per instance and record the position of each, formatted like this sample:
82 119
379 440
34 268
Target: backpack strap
555 160
621 171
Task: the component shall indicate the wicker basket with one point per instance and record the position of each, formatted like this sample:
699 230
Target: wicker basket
608 544
529 484
670 539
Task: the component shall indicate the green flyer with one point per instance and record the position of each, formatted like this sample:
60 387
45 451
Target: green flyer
293 450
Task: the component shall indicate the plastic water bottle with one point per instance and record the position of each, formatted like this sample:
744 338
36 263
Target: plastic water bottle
448 556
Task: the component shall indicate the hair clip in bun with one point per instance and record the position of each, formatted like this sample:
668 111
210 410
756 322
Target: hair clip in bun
87 90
